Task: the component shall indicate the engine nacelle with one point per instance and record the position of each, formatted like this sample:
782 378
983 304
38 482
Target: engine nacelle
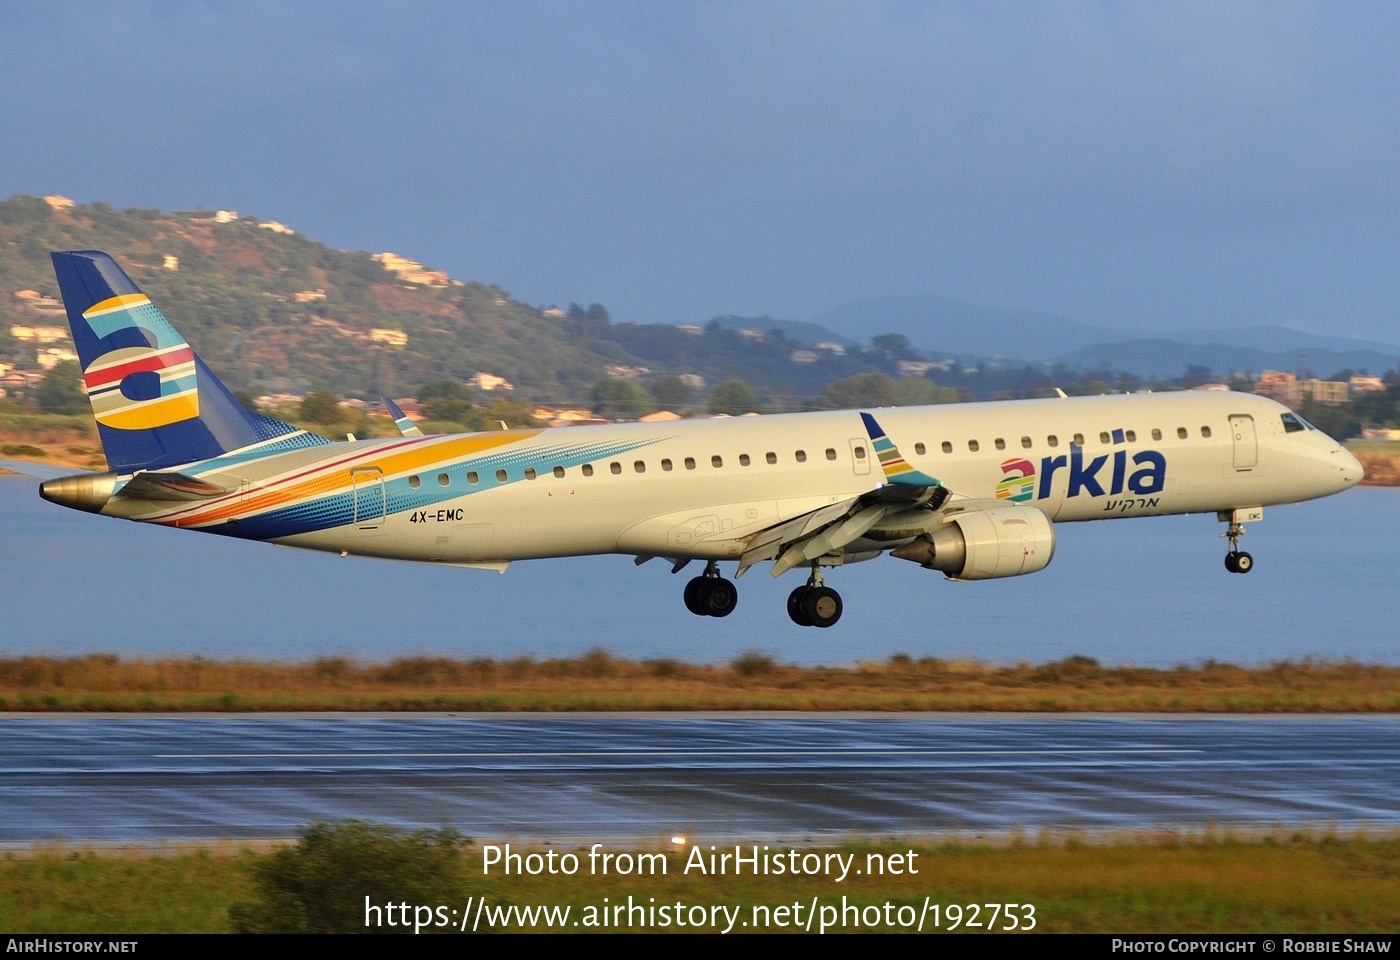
983 544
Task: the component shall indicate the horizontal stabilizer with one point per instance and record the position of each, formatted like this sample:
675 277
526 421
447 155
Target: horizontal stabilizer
39 471
170 486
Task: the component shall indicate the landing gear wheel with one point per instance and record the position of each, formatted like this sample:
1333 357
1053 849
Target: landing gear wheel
694 594
795 606
720 597
1237 561
821 606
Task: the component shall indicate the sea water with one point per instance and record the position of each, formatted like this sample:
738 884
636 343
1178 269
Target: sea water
1150 592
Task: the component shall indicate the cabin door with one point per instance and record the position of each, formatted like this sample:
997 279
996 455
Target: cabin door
1246 443
369 498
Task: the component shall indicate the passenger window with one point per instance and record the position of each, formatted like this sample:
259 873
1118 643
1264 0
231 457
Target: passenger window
559 472
1052 441
1078 440
947 446
472 476
919 449
588 469
743 459
1130 436
690 463
1156 434
615 467
973 446
860 453
443 479
716 461
1205 432
529 473
830 453
415 483
1026 443
771 457
801 456
1000 443
666 465
1104 437
640 466
500 476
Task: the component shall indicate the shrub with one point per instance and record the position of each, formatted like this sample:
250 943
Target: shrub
752 663
322 884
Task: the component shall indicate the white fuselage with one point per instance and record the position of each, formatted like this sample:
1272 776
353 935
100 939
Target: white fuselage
702 488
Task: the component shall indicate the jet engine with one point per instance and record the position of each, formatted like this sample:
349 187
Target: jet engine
985 543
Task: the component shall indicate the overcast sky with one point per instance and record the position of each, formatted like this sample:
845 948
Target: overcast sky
1150 165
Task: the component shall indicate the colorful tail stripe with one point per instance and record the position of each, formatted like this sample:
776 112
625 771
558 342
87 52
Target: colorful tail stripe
897 469
157 406
140 387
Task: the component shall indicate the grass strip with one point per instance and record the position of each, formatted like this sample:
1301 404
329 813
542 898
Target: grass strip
1295 883
598 681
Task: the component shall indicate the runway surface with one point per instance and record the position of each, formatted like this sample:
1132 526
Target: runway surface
182 777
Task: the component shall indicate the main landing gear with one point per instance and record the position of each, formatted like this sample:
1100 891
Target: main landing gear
1236 561
814 604
710 595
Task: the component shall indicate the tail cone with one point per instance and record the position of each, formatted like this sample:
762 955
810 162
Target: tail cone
86 491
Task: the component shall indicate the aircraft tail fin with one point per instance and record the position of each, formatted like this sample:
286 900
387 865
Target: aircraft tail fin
157 405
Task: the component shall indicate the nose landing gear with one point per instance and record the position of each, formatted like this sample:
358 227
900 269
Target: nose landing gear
1237 560
814 604
710 595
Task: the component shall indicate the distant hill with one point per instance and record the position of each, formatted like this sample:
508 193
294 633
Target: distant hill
1168 358
272 310
276 310
796 330
940 326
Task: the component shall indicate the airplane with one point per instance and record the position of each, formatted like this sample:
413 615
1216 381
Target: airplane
973 491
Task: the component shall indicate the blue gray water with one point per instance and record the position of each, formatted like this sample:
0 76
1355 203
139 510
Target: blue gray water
704 776
1151 592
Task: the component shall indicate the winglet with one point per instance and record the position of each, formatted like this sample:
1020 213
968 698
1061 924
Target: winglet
897 469
406 426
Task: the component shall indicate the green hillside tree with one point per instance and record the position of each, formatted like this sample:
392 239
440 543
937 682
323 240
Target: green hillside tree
62 390
616 396
734 397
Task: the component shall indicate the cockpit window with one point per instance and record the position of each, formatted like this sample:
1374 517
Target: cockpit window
1292 423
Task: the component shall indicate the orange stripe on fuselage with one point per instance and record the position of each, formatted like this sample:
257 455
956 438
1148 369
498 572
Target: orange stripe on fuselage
419 454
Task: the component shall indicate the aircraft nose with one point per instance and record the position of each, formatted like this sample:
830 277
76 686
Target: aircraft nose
1351 469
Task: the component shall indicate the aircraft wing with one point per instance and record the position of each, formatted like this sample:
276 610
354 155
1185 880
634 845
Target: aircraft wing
828 529
39 471
801 540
